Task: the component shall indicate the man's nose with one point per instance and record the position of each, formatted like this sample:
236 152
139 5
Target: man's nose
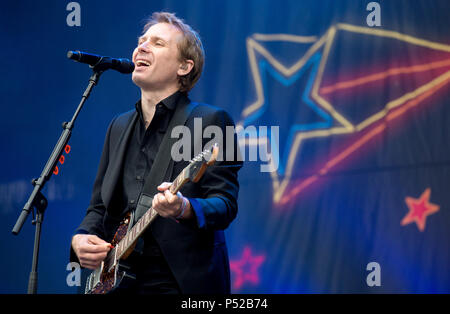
143 47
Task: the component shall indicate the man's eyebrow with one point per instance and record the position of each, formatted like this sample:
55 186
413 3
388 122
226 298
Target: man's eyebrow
154 37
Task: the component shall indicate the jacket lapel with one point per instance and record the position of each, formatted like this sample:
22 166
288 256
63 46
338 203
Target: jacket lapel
183 111
120 134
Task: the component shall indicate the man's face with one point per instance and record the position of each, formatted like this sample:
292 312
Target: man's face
156 58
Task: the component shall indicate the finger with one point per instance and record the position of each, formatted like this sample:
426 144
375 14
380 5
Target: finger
95 248
171 198
160 204
93 239
164 186
88 262
93 257
90 265
156 204
162 201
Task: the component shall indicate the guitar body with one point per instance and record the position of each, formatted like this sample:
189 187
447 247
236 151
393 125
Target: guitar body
102 281
113 274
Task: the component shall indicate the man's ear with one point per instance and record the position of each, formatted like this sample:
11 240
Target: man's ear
185 67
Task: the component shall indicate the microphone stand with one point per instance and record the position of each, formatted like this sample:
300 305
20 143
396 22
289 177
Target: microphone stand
37 200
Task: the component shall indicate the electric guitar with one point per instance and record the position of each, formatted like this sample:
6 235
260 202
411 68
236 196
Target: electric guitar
114 271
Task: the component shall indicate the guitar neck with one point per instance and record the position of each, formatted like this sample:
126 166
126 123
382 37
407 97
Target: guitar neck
127 243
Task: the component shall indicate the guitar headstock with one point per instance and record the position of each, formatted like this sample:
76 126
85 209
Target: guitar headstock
200 162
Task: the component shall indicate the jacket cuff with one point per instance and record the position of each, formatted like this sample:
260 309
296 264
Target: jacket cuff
197 207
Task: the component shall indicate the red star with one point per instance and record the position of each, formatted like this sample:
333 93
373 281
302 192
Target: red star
419 209
246 269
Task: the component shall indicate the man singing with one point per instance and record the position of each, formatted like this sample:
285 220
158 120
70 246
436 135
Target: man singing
184 249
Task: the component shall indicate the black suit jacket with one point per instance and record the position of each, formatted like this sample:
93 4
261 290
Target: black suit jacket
194 249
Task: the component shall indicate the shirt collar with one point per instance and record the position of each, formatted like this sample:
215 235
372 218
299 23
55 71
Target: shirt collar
169 102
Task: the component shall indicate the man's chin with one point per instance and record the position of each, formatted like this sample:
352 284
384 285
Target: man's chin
138 80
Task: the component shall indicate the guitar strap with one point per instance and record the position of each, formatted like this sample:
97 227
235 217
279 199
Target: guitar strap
162 161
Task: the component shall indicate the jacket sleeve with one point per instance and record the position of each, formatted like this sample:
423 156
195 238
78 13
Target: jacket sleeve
217 207
93 220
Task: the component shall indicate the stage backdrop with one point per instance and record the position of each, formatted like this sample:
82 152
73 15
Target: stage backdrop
359 200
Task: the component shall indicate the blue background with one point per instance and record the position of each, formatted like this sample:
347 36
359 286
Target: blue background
323 238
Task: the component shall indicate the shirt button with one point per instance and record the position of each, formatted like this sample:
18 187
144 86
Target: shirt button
132 201
138 178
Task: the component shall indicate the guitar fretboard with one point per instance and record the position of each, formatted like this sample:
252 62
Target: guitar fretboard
136 231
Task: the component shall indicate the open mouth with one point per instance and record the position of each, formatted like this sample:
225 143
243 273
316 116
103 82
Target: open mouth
142 63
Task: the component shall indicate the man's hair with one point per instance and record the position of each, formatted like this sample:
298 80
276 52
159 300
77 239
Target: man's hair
190 47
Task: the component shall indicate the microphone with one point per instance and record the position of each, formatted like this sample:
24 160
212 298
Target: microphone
102 63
